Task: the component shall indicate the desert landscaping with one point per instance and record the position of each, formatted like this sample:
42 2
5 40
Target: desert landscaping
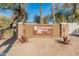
52 29
45 46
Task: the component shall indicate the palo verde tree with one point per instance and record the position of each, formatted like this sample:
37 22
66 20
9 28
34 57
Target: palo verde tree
66 12
18 9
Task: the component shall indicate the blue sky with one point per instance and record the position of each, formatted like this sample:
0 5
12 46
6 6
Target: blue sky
6 12
32 9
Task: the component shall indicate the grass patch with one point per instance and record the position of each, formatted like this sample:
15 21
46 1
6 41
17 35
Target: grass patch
8 32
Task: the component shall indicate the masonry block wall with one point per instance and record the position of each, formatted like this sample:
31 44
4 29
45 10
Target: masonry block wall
29 30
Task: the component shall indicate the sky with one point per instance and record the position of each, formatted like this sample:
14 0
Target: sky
6 12
32 9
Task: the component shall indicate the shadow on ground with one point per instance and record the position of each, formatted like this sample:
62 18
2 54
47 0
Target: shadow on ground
76 35
8 42
61 42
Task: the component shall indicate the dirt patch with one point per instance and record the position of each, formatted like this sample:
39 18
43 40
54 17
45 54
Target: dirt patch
44 46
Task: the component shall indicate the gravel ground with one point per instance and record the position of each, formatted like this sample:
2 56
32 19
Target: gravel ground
42 47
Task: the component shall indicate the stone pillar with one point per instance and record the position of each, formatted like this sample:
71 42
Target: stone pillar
64 30
21 32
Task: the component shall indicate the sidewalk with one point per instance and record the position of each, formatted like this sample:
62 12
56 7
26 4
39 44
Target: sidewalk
44 46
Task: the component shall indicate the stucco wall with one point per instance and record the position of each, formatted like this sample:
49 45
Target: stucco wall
64 29
57 30
73 28
29 30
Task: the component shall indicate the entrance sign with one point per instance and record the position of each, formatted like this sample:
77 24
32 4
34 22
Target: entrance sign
42 30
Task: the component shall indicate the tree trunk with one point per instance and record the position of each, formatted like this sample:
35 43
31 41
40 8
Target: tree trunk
18 14
53 13
41 21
